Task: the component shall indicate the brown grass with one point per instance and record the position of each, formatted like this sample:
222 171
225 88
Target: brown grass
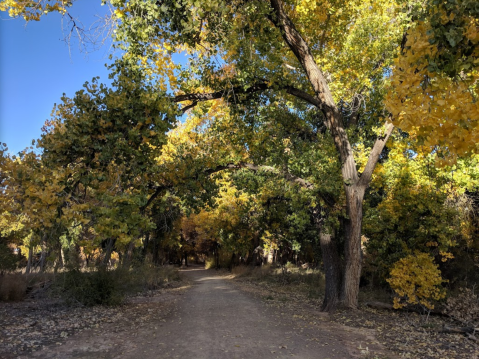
13 287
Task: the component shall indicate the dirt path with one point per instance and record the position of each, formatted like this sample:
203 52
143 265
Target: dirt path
212 319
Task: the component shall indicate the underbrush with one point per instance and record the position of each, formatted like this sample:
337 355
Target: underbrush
15 287
308 281
110 287
89 288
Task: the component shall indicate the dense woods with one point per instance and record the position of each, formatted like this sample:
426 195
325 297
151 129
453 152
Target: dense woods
334 134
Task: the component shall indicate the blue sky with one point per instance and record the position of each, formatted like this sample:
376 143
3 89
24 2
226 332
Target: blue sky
37 67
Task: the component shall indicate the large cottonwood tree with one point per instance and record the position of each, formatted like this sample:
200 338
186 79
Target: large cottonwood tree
331 58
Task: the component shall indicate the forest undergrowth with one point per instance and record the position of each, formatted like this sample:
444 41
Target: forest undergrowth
44 309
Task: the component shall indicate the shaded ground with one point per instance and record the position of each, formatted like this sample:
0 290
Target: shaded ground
405 335
213 318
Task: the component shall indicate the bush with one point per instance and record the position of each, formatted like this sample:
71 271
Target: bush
224 260
100 287
147 277
416 279
13 287
311 281
8 260
104 287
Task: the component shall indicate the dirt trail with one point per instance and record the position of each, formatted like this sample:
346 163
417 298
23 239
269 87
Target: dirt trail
212 319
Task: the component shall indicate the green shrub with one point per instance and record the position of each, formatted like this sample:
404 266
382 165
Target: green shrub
100 287
8 260
110 287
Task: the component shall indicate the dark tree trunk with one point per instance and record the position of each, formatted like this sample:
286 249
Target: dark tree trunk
145 247
332 271
30 259
331 261
354 184
156 250
110 243
43 257
129 253
59 262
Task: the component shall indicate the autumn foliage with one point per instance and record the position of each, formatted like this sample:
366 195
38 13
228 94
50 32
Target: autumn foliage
274 140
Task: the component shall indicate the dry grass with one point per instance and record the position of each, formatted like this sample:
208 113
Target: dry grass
309 282
13 287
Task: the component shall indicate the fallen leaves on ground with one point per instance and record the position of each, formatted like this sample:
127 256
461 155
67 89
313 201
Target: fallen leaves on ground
37 323
405 335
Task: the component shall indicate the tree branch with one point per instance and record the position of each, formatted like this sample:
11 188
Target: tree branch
157 192
374 155
257 87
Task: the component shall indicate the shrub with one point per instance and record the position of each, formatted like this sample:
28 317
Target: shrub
104 287
416 279
8 260
91 288
147 277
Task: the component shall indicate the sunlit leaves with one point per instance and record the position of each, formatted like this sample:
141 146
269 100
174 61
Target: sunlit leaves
433 93
33 9
416 279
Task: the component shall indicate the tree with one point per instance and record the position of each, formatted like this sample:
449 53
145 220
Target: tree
434 88
275 51
258 41
321 65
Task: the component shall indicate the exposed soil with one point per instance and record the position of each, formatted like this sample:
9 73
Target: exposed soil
211 318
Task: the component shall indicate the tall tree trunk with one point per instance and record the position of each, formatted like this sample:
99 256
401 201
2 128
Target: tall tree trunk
352 246
30 259
110 243
156 249
129 253
43 257
354 184
331 262
332 271
59 260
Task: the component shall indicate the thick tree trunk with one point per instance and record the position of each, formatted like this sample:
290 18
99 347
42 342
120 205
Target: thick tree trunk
331 262
43 257
59 261
354 184
129 253
352 246
144 251
110 243
332 271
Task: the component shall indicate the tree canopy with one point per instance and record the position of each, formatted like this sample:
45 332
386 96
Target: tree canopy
286 110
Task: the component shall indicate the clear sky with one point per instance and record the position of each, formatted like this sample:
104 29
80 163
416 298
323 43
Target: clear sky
37 67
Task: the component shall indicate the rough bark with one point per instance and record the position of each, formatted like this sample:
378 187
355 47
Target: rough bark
352 247
331 262
353 184
43 257
332 271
